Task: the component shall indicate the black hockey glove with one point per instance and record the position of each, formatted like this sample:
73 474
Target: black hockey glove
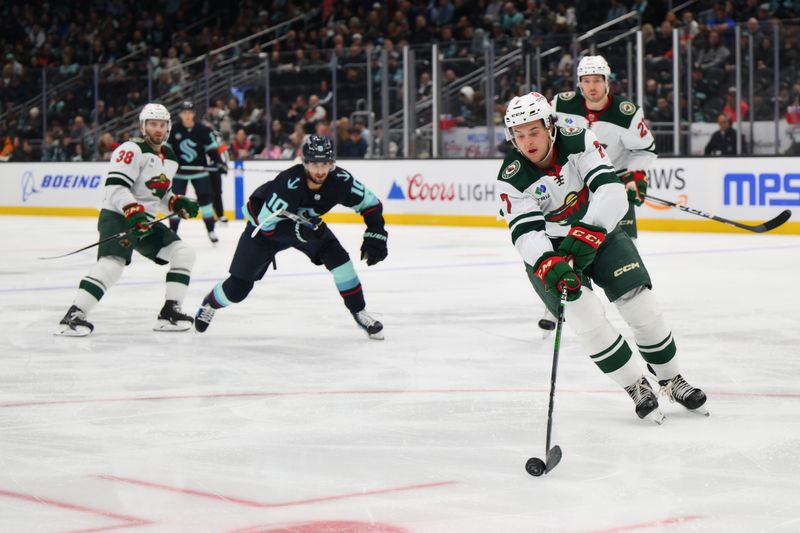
374 248
304 233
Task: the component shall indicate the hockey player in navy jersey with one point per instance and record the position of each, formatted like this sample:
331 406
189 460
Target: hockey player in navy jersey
309 190
193 142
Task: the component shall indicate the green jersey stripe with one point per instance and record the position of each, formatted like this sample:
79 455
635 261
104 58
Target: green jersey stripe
117 181
594 172
603 179
526 227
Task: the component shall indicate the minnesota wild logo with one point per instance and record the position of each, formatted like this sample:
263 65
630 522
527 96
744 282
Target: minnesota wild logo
627 108
510 170
158 185
569 131
566 96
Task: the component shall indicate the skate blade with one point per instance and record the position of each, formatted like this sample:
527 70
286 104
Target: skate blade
702 411
656 416
376 336
66 331
166 325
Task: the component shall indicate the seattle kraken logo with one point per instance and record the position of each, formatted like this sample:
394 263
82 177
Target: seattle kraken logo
187 148
28 185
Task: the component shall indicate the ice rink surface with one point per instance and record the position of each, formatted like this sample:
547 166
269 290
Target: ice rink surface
284 417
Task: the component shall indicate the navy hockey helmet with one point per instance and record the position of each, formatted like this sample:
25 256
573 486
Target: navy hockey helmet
318 149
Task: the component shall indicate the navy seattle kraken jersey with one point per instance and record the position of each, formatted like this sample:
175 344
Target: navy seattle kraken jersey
290 191
191 146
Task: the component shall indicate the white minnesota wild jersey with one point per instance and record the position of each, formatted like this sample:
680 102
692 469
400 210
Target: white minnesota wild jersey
620 127
581 185
140 175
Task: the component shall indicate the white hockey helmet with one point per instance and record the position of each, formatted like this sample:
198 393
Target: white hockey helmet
528 108
596 65
153 111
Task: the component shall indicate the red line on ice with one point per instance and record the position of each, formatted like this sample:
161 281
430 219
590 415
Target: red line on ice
130 521
253 503
650 525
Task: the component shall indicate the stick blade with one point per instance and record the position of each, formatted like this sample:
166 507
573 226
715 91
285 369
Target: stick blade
553 458
777 221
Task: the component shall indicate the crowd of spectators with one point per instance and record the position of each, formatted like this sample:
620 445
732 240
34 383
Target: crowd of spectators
65 39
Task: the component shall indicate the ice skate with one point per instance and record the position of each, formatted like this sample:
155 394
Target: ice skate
171 318
212 236
678 390
74 324
202 319
373 328
547 323
223 219
645 399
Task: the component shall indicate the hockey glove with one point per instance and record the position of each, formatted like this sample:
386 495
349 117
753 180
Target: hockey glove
306 234
137 221
555 272
636 184
374 249
581 244
182 206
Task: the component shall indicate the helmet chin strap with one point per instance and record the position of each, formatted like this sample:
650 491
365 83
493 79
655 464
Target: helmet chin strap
552 135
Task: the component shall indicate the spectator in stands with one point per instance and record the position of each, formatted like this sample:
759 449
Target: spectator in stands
512 17
106 146
441 13
714 55
662 111
355 147
468 111
722 142
242 147
616 10
730 105
314 113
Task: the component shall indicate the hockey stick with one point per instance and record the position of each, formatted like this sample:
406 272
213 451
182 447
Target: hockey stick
119 235
216 169
771 224
535 466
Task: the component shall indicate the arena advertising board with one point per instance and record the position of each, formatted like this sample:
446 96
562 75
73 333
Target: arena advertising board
458 192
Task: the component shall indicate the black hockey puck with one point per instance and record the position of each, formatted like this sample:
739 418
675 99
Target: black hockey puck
534 466
548 325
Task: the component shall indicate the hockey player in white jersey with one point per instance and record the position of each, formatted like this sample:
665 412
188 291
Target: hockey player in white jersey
137 186
562 201
619 126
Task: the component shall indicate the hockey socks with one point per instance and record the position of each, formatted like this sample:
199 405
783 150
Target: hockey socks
105 273
606 347
349 286
654 340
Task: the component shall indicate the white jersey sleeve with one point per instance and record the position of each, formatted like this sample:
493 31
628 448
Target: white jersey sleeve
525 220
609 201
639 144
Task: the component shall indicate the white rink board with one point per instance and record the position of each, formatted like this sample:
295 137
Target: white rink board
737 188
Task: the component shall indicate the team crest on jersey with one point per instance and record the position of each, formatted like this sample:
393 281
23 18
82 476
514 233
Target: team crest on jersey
178 136
158 185
566 96
569 131
510 170
627 108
